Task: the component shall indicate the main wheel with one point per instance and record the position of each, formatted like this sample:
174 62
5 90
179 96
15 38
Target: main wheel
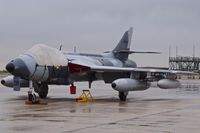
34 98
41 89
123 96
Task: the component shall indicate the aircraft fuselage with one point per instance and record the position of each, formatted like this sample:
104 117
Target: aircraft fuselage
27 68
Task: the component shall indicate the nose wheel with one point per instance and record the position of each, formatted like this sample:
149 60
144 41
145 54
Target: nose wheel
32 98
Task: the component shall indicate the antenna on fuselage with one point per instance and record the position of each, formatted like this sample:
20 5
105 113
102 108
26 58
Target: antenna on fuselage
74 49
60 47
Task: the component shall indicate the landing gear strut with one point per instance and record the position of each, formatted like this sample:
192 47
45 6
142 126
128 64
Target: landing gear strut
31 95
123 95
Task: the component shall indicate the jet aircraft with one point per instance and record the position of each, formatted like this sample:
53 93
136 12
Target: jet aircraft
43 65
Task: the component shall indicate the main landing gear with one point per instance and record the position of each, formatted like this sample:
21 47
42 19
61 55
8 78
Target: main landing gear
41 89
123 95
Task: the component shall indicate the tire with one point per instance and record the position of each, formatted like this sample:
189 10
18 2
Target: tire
30 97
34 99
41 89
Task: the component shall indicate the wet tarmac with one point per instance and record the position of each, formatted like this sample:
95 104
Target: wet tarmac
153 110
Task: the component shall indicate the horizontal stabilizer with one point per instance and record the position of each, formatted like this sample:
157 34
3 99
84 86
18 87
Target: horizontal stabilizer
138 52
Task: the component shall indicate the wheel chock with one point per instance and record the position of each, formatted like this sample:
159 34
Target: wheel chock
86 96
31 102
28 102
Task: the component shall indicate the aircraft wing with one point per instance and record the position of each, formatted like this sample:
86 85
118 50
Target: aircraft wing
78 68
127 69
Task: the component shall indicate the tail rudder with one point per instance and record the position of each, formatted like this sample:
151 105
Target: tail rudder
121 51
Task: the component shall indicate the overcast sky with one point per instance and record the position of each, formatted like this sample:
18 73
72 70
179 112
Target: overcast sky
97 26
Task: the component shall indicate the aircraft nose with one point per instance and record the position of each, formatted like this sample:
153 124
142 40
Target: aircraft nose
10 67
3 82
17 67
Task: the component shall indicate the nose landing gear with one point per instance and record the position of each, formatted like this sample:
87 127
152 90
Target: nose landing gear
32 99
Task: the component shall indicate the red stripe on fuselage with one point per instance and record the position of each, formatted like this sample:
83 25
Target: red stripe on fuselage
75 68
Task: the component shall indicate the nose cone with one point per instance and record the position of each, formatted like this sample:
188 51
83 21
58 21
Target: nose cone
17 67
10 67
3 82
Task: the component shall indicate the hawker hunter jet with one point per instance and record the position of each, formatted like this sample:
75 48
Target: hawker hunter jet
43 65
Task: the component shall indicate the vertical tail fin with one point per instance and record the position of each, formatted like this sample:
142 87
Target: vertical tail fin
121 51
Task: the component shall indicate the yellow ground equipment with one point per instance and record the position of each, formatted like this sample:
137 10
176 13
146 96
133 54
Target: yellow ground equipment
86 96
